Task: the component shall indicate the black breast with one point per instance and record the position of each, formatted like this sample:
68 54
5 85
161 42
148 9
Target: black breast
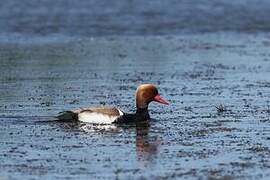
133 118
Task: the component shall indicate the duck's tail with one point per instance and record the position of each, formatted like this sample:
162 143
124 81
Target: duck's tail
67 116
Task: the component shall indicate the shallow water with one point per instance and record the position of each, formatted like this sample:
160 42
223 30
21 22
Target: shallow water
190 139
129 17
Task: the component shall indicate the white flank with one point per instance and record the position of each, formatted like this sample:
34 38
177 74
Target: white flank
96 118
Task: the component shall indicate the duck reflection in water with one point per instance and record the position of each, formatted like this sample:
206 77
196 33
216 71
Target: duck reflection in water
146 145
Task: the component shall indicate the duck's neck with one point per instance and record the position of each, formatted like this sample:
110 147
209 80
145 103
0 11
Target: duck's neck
142 114
141 110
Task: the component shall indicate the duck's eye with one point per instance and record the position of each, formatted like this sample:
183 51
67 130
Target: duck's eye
144 94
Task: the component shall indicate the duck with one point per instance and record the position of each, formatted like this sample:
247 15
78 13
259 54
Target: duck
145 94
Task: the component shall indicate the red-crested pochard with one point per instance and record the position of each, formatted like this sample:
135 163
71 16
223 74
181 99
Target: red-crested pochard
145 94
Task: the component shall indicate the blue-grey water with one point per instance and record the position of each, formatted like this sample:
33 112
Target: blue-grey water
210 59
129 17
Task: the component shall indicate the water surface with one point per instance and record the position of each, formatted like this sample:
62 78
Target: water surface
190 139
130 17
210 59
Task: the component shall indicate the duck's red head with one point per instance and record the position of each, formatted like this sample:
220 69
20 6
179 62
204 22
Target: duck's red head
147 93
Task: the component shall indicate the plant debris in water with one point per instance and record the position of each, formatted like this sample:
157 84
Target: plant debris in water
186 140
